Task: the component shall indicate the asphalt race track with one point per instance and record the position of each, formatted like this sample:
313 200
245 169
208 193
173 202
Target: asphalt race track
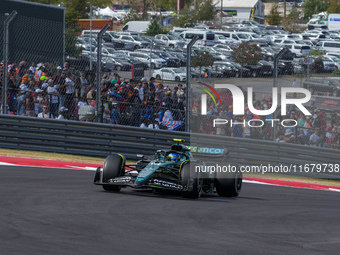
58 211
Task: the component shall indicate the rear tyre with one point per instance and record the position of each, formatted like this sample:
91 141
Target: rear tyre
253 74
158 77
177 79
114 166
228 184
119 68
153 66
190 180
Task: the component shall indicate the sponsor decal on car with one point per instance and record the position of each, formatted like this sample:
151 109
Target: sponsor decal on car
167 184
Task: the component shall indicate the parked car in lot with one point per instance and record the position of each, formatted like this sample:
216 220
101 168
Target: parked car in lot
227 69
152 60
324 64
116 64
329 86
262 68
171 60
173 74
136 40
172 41
285 67
298 50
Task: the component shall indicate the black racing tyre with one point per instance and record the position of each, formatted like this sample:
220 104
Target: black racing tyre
177 79
253 74
158 77
136 47
118 68
153 66
228 184
190 180
114 166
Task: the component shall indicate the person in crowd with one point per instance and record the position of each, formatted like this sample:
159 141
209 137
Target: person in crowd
136 109
53 97
115 115
29 104
314 138
62 113
45 113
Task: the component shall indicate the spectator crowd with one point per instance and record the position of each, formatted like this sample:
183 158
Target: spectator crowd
317 130
37 90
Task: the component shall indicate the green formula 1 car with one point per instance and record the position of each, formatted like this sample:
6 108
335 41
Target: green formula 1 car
175 169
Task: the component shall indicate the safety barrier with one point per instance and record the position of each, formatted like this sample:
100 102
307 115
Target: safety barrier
96 139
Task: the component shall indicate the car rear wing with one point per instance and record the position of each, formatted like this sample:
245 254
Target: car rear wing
209 152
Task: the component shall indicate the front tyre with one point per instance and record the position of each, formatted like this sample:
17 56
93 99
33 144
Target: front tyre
190 181
228 184
114 166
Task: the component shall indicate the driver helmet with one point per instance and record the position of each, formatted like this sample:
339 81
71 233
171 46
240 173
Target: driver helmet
173 157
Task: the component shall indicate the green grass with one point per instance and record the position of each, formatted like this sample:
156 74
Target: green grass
100 160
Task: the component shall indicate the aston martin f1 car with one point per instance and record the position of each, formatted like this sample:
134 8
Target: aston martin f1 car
175 169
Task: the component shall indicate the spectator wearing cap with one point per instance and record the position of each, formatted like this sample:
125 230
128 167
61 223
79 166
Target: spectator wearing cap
167 116
39 101
160 91
70 90
114 113
45 113
21 100
62 113
38 72
53 97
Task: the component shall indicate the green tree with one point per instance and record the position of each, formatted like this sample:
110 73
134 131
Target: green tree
203 58
205 10
155 29
334 6
311 7
247 53
186 17
291 24
274 17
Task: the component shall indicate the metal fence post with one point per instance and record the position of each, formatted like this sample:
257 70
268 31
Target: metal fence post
188 74
5 57
99 67
276 60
